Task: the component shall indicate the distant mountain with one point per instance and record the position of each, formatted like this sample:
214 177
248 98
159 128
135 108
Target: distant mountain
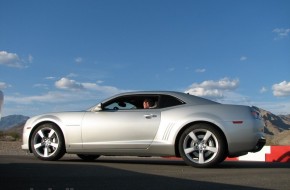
277 128
11 121
286 118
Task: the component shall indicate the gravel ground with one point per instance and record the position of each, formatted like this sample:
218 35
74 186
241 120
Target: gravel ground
11 148
14 148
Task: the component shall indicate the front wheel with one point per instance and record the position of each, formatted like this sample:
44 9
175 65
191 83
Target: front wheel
201 145
47 142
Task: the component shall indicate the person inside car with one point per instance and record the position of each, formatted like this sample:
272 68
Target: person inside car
148 103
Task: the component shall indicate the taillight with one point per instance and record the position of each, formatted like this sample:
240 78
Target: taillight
255 114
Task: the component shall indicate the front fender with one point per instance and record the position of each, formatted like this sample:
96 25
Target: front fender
69 123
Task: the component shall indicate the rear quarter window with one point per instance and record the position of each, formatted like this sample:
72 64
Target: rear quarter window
169 101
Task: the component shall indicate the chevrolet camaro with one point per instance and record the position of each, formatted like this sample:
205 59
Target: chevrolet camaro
152 123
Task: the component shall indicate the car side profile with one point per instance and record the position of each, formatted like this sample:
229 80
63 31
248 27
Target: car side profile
200 131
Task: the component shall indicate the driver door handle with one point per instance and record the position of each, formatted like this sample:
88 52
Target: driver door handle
149 116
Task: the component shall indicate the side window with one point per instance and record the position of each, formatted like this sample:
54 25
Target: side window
120 106
169 101
123 103
133 102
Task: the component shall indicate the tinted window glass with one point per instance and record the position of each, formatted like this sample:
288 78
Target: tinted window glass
120 103
169 101
120 106
131 102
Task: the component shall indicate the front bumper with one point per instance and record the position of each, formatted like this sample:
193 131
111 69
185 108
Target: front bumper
25 147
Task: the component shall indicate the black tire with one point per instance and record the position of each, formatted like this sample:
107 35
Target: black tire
87 157
47 142
202 145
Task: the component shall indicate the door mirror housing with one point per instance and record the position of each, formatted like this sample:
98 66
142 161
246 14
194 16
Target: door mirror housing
98 107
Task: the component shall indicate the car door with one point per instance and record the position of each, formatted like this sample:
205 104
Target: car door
120 129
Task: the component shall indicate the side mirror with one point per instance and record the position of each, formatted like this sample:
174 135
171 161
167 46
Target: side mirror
99 107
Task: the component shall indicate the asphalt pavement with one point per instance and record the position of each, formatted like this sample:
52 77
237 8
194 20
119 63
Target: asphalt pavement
108 173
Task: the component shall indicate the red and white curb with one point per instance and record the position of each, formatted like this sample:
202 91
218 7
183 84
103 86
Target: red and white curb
267 154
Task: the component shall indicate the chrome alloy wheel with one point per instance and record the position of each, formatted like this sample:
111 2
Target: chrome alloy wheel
46 142
200 146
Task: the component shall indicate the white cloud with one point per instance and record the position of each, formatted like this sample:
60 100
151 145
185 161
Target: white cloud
67 84
30 58
243 58
213 89
13 60
100 88
49 78
53 101
79 60
281 89
263 90
10 60
3 85
231 97
39 85
72 75
281 33
200 70
209 93
84 95
50 97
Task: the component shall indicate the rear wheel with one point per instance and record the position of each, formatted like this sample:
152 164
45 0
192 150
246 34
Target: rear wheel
87 157
201 145
47 142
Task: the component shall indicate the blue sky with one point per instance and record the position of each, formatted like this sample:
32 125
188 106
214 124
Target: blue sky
69 55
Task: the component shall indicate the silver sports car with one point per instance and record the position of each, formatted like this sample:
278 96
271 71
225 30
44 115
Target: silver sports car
156 123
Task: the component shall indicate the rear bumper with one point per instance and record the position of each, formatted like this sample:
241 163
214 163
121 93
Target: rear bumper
260 144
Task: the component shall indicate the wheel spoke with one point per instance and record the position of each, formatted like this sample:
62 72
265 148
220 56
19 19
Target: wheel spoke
189 150
40 133
206 136
51 133
192 135
211 149
201 157
36 146
45 152
55 145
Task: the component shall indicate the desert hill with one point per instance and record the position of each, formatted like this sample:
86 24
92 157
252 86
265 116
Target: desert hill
277 128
